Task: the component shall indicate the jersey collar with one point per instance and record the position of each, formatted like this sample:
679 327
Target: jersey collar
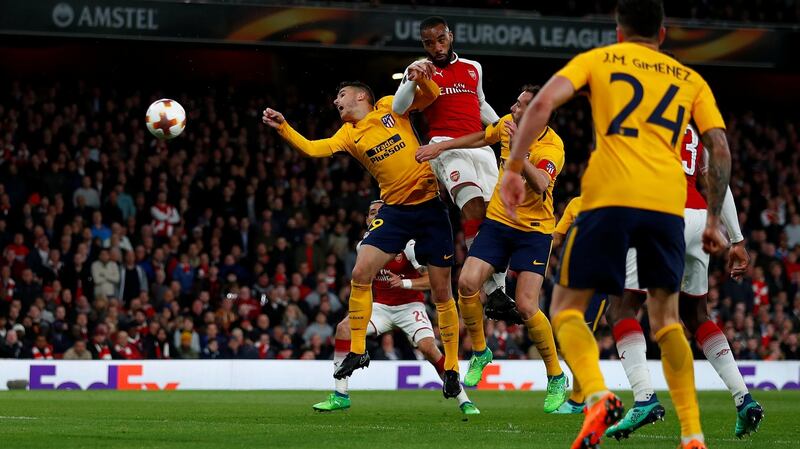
455 58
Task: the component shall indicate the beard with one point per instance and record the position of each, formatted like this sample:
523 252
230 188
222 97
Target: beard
445 62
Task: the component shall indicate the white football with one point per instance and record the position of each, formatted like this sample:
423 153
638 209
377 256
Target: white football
165 119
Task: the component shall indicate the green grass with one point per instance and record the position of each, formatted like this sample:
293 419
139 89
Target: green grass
378 419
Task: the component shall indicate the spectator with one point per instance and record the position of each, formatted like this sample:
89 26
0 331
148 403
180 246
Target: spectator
86 195
322 294
78 351
387 350
105 274
125 348
165 217
12 348
319 327
132 280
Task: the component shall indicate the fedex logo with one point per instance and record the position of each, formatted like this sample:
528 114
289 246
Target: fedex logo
750 371
118 378
406 380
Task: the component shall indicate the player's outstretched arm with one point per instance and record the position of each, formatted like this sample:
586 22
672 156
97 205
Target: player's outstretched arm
310 148
433 150
411 88
718 177
556 92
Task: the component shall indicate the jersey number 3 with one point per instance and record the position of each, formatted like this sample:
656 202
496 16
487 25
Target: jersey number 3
656 117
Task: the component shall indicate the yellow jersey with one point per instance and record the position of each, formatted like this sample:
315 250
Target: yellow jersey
536 211
385 144
641 100
570 213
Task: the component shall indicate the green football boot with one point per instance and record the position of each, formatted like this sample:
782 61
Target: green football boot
468 408
557 393
570 408
638 416
476 365
748 419
333 403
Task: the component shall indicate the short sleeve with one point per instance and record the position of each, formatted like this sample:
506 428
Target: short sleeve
705 112
548 157
494 132
577 70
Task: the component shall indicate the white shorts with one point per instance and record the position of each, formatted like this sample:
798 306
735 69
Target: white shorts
695 272
471 166
411 318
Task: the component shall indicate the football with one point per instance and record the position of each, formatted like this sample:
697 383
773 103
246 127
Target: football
165 119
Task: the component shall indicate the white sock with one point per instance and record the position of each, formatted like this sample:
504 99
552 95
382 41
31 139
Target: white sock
498 280
718 352
341 384
462 397
468 241
632 350
687 439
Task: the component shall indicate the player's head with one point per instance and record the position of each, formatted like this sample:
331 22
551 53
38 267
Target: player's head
353 99
374 207
640 20
437 40
523 100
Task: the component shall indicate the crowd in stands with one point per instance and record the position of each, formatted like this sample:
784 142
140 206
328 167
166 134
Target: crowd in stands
225 243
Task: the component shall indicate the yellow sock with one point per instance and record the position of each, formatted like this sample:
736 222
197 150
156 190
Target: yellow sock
677 361
579 350
360 312
472 312
542 336
448 329
576 395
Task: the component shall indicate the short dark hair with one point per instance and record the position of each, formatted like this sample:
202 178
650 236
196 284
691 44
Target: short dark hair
532 88
432 21
358 85
641 17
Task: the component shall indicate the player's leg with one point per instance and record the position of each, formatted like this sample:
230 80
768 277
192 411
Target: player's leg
474 272
427 346
434 247
369 261
340 398
709 337
529 285
661 249
593 258
632 349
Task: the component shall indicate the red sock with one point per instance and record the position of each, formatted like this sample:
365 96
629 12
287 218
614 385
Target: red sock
341 347
439 365
470 228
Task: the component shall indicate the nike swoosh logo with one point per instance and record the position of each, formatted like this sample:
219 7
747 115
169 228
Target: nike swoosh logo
537 263
448 257
359 139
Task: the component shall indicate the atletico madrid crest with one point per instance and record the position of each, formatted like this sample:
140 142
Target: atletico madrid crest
388 121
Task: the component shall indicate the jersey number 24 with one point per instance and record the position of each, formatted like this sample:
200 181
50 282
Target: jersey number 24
656 117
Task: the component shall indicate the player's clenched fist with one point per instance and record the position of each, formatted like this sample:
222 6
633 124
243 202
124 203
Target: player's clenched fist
512 192
272 118
713 240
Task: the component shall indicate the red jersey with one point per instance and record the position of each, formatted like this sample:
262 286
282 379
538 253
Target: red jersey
404 265
457 110
694 164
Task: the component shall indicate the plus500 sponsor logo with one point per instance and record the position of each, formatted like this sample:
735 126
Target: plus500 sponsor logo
118 378
408 379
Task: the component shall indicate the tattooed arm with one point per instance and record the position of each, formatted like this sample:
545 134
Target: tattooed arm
717 179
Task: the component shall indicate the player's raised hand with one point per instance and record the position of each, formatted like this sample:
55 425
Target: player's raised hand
713 240
511 128
272 118
395 281
738 260
421 70
512 192
428 152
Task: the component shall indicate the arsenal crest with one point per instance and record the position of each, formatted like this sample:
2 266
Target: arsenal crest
472 74
455 175
388 121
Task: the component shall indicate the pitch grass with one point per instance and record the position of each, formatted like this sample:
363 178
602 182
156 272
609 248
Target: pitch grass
378 419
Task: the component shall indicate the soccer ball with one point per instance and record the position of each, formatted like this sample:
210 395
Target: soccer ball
165 119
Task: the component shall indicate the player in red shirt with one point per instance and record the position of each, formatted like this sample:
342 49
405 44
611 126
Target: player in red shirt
460 109
693 304
398 302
